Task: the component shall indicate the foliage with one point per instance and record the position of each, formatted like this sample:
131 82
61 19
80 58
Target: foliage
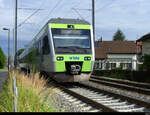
20 51
140 67
139 76
2 59
146 64
119 36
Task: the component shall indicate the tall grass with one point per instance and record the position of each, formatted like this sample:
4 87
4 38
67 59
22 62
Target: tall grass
32 94
6 97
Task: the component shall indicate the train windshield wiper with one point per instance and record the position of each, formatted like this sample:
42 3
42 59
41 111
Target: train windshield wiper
72 49
69 47
61 47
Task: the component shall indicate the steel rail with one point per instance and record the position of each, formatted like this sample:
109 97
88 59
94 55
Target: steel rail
120 86
132 83
87 100
122 97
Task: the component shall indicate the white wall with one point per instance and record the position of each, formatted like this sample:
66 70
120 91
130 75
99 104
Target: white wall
122 56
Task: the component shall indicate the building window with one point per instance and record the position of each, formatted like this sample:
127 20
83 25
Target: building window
113 65
126 66
108 49
107 66
98 65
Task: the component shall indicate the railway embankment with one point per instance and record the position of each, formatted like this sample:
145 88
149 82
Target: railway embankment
31 97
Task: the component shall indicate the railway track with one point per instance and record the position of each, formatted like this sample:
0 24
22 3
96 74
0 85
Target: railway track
142 88
101 100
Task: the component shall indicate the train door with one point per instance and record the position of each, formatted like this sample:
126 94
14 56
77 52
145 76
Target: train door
39 60
45 53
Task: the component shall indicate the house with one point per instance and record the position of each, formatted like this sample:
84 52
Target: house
112 54
143 45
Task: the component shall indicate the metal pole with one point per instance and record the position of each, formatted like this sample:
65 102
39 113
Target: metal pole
13 47
8 48
16 6
93 18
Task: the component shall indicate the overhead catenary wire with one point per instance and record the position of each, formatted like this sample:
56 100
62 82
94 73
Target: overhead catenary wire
32 13
108 4
28 17
51 11
78 13
67 13
35 12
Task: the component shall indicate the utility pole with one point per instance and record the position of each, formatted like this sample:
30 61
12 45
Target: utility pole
8 29
93 18
15 60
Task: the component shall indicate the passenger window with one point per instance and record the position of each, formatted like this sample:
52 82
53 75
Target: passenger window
46 48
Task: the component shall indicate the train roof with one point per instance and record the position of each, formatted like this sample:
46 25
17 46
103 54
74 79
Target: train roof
68 21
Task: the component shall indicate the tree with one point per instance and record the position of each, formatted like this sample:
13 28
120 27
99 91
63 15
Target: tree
119 36
2 59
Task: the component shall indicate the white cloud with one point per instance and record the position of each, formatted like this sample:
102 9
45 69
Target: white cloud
1 4
132 15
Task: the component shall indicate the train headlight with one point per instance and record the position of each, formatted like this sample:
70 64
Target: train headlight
87 58
60 58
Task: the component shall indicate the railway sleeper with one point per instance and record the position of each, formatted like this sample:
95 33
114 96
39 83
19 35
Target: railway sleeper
95 110
111 101
103 99
83 104
123 107
73 100
87 108
133 110
116 104
77 102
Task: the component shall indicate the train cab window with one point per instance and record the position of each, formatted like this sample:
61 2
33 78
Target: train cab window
45 48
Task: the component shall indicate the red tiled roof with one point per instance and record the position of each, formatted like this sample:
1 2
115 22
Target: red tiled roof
115 47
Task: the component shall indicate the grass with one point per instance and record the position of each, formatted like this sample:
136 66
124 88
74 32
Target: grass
6 97
2 69
32 94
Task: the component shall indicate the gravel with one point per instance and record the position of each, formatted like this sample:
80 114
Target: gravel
66 103
119 91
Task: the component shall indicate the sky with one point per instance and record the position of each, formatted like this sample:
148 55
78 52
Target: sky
131 16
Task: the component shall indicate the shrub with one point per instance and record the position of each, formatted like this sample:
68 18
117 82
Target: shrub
2 59
146 64
139 76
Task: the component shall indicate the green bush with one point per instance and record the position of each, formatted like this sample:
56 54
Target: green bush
139 76
2 59
146 64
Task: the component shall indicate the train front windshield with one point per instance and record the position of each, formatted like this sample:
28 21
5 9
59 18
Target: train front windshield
72 40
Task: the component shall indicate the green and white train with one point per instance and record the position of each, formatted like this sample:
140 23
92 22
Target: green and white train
63 49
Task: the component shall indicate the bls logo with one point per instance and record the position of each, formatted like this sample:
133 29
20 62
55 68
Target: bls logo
74 58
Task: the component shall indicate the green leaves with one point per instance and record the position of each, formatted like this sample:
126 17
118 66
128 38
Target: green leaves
146 63
2 59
